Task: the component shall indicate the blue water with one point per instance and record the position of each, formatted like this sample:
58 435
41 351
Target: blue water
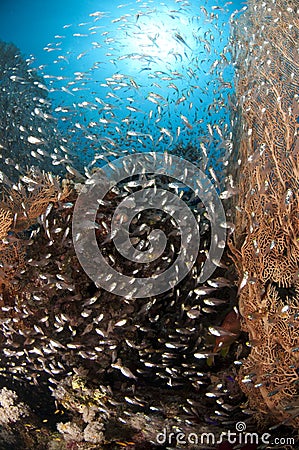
137 76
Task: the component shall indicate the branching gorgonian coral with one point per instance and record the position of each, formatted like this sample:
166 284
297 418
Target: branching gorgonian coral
22 204
266 244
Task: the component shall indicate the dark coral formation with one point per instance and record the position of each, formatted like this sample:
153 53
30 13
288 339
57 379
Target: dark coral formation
108 360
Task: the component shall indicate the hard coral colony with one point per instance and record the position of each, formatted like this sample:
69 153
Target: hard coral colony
114 371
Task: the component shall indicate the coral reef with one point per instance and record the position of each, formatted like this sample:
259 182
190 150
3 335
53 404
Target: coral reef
18 423
266 247
113 371
120 369
10 410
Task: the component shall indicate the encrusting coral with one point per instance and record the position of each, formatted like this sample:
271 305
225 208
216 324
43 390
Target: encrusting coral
266 247
11 410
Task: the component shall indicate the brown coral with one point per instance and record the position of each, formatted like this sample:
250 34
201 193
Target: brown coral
29 200
266 246
5 222
20 208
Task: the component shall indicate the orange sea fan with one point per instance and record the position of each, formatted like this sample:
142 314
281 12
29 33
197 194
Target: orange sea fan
5 222
266 242
21 206
28 200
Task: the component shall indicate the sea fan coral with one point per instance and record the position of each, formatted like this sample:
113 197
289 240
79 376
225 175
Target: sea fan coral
267 220
5 222
29 199
20 208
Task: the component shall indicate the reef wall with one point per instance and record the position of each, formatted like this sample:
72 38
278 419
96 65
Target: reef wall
266 245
